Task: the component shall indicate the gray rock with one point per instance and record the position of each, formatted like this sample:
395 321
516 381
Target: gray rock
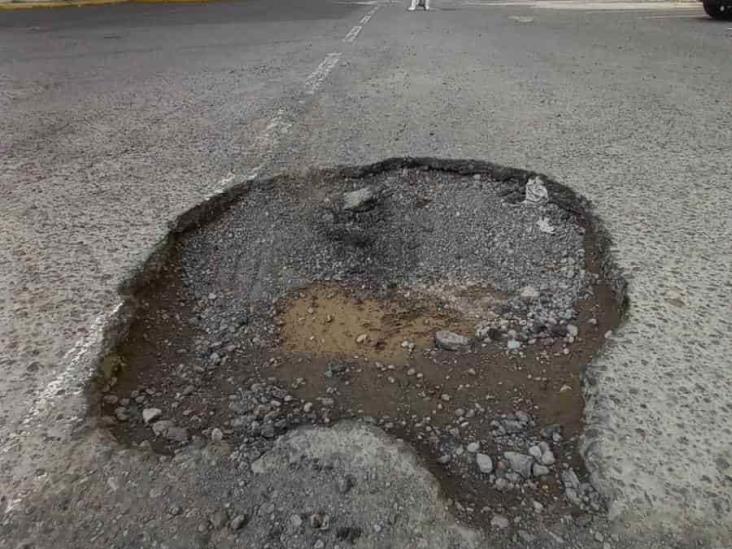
500 522
121 413
360 200
520 463
535 452
151 414
238 522
539 470
473 447
160 427
572 330
529 293
485 463
513 345
547 458
218 519
217 434
176 434
450 341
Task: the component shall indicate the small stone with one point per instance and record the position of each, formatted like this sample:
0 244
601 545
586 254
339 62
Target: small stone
360 200
307 408
320 544
121 413
362 338
513 345
538 507
238 522
540 470
485 463
445 397
217 435
411 372
520 463
473 447
218 519
529 293
535 452
572 330
295 521
160 427
547 458
450 341
500 522
444 459
599 537
176 434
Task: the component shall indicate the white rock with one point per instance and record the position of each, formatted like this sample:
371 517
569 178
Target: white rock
520 463
500 522
151 414
513 345
535 452
485 463
473 447
450 341
217 435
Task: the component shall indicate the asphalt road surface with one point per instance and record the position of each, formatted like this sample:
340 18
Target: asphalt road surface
114 120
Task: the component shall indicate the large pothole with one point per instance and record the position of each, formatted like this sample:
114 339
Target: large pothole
311 299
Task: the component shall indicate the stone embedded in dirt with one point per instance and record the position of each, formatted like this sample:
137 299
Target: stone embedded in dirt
535 452
547 457
473 447
121 413
450 341
539 470
151 414
218 519
217 435
485 463
360 200
572 330
513 345
500 522
238 522
551 431
520 463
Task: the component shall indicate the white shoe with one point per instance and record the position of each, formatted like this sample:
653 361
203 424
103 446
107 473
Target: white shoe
410 8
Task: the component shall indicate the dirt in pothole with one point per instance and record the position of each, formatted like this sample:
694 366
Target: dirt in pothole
330 350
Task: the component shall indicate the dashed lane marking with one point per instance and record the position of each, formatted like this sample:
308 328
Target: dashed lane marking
353 33
316 78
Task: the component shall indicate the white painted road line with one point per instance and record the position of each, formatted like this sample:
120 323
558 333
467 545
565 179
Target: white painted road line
353 33
316 78
70 380
365 19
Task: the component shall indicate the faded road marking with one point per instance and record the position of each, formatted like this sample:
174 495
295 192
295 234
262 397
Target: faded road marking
316 78
353 33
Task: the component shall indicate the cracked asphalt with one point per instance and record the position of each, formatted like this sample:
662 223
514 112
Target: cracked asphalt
115 120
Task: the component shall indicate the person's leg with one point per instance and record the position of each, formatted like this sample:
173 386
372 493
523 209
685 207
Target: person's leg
426 4
413 5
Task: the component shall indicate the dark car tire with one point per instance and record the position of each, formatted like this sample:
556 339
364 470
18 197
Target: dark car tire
717 9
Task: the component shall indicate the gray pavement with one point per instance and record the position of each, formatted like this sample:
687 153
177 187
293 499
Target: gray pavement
113 121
